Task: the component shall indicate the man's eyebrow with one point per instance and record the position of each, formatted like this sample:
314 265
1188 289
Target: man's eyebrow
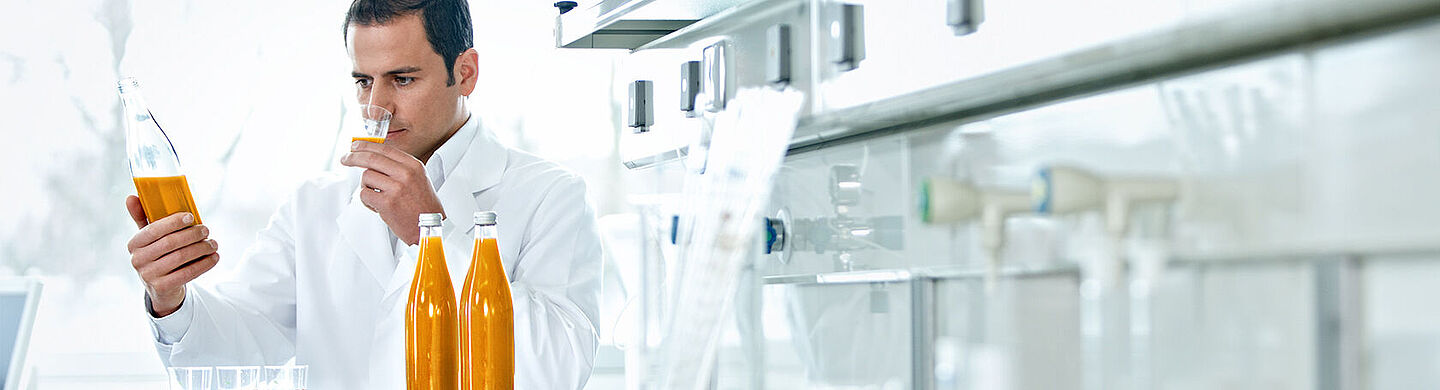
408 69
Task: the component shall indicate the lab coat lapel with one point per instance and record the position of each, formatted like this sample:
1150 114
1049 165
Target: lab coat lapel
479 169
368 237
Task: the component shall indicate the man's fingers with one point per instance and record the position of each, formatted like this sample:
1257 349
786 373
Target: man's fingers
159 229
143 256
374 179
174 242
177 259
374 161
137 211
186 273
369 198
389 151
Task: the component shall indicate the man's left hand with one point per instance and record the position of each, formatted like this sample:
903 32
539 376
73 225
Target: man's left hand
404 191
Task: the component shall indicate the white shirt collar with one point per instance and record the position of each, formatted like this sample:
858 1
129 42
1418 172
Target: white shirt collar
443 162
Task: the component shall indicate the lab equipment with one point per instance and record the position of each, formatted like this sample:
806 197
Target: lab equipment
1245 192
944 200
288 377
1111 346
750 140
191 378
237 378
154 165
285 377
299 377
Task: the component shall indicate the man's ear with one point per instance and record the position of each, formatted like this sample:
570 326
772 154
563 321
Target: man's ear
467 69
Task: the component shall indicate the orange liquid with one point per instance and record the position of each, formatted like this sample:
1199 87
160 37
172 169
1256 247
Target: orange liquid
430 324
378 140
162 196
487 323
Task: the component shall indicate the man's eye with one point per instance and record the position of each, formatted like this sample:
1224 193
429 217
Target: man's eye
362 82
401 80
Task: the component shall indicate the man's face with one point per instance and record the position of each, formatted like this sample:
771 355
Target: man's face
395 68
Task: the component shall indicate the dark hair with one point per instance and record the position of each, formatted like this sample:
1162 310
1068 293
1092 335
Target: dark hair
447 23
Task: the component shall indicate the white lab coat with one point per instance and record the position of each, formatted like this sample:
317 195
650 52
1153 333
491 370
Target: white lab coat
327 283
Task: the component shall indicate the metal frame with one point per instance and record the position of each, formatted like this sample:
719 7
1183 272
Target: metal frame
1338 302
922 332
1339 330
1185 49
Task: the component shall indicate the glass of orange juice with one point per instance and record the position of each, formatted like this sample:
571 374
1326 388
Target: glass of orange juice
376 122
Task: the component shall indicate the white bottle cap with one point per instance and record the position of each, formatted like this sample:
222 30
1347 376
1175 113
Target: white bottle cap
484 217
430 219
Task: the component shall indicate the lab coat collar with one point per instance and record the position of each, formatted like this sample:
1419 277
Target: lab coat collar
478 168
447 157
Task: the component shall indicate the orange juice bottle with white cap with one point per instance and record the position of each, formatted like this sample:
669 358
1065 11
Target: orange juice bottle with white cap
431 361
487 316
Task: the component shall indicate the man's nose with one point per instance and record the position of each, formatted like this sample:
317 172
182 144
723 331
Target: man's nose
383 96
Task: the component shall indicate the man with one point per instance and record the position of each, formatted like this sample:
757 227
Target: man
327 280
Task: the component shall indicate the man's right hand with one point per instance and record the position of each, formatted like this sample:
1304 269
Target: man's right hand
168 254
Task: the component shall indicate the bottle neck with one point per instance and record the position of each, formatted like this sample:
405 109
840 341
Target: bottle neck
485 232
430 231
132 100
134 103
148 149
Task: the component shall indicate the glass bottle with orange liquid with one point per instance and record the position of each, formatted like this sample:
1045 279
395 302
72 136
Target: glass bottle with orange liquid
431 361
154 165
487 318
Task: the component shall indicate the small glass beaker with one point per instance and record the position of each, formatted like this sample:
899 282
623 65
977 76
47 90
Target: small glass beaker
285 377
375 124
190 378
237 378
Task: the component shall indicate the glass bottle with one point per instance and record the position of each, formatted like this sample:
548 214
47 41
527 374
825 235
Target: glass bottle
430 324
487 319
159 181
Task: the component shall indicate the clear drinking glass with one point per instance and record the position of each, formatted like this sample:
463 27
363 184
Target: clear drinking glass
190 378
375 121
284 377
300 377
275 378
237 378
